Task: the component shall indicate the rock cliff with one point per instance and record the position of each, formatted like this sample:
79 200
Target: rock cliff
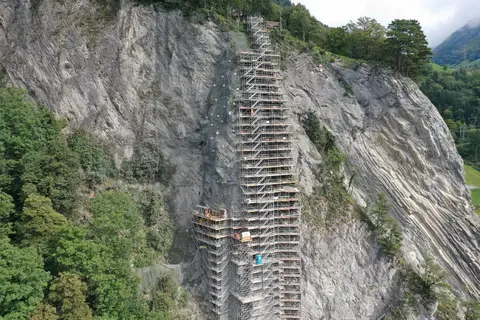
144 80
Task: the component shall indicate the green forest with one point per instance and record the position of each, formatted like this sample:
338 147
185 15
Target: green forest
456 94
70 237
402 45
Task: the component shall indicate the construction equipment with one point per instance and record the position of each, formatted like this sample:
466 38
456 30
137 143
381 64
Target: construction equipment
253 260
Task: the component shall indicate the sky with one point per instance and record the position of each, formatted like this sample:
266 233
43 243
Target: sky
438 18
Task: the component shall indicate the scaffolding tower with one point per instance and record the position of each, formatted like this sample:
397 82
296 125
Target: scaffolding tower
270 194
252 257
213 235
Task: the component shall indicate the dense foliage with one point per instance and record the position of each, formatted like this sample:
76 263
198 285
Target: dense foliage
456 94
298 21
463 45
219 9
35 155
22 281
65 255
402 46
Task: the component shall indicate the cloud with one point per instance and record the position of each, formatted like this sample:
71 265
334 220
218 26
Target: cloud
439 18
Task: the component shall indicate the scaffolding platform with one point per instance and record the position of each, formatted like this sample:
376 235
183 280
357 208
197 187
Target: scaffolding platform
259 276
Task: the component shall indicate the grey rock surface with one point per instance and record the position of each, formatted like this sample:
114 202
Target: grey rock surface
345 275
133 77
137 75
397 143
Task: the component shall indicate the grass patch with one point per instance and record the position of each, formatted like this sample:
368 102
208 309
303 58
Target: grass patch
475 197
472 176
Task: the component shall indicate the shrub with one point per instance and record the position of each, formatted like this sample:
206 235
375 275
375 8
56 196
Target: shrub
428 283
94 160
472 311
159 225
330 175
385 227
148 165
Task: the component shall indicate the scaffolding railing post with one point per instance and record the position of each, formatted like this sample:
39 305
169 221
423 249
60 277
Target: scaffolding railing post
268 184
251 257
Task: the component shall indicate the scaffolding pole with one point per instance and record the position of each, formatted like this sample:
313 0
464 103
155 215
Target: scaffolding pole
252 257
270 194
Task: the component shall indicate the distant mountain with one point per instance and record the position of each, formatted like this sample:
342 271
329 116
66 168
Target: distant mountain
463 46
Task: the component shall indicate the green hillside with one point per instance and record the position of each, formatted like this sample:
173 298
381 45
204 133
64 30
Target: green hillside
470 65
462 46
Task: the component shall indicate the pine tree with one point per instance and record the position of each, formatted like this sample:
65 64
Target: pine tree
408 50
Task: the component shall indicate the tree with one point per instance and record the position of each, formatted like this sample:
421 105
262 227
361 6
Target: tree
68 295
54 170
301 24
319 135
298 22
336 40
112 285
45 312
408 48
447 114
365 38
379 211
69 250
22 281
24 128
369 26
93 159
386 228
432 277
6 210
38 220
391 239
473 140
164 295
160 227
117 222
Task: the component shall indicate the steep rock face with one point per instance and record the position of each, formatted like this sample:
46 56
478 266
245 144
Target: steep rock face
345 275
397 143
133 77
139 77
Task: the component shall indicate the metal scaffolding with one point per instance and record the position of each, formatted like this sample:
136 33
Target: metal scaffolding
213 235
241 285
272 208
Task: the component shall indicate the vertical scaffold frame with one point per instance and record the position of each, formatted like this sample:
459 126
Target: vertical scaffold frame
257 277
270 194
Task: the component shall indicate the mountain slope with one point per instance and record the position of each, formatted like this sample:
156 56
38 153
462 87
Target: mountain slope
462 46
150 77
